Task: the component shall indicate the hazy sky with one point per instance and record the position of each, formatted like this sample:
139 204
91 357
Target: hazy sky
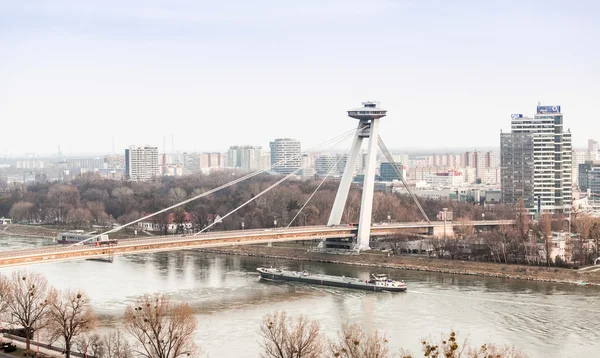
219 73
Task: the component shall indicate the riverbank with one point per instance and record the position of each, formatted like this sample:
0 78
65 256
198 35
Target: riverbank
407 262
36 231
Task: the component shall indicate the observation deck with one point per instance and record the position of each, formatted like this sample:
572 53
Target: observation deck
369 111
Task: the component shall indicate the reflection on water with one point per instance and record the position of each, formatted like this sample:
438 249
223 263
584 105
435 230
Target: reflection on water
545 320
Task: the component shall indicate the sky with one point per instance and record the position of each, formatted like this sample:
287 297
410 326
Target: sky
210 74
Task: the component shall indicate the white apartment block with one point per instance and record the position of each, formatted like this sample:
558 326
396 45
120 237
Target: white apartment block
245 157
141 163
552 161
286 155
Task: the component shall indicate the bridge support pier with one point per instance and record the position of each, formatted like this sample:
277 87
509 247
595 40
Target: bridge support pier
368 127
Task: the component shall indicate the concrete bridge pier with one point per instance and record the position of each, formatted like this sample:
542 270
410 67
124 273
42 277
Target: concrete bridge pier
441 231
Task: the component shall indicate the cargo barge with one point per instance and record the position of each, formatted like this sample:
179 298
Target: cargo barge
378 282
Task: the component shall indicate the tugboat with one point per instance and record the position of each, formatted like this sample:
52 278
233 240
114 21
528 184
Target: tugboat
378 282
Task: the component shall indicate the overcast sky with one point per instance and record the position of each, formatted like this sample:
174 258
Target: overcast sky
219 73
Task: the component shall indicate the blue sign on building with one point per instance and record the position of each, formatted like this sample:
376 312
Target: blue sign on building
513 116
548 109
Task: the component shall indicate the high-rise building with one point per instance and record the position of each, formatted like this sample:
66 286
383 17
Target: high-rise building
286 155
332 164
212 160
549 159
592 150
516 163
589 180
578 157
387 172
141 163
191 163
245 157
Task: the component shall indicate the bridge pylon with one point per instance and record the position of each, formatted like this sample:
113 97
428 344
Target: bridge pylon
368 127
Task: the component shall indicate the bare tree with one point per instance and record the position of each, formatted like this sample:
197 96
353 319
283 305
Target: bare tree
285 337
463 228
546 230
523 224
70 316
354 342
29 301
79 218
91 346
5 295
176 195
116 346
162 329
450 347
22 211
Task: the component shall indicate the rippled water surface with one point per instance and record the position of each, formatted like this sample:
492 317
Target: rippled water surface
542 319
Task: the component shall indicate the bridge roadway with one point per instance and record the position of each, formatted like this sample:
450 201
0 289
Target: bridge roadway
214 239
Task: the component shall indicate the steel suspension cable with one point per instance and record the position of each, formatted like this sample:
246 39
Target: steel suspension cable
314 192
389 157
269 188
233 182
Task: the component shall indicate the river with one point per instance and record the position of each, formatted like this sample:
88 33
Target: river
541 319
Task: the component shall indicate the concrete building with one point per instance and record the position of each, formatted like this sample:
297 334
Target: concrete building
286 155
191 163
387 172
592 150
536 161
212 160
589 180
331 164
141 163
448 179
245 157
579 157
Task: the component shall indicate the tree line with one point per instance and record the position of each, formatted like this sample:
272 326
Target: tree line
528 241
287 337
90 200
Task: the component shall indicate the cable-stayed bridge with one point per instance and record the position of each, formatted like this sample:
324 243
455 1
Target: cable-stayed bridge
354 237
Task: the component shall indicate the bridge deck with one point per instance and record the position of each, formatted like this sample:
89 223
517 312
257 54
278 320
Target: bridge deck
211 239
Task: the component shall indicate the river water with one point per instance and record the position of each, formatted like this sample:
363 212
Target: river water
541 319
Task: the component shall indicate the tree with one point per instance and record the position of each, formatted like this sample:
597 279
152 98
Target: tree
70 316
116 346
176 195
97 211
21 211
353 342
63 198
79 218
523 224
5 296
91 346
288 338
463 228
546 230
450 347
29 301
161 328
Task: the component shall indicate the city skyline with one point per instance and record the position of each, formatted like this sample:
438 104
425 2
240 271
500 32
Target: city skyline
140 70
